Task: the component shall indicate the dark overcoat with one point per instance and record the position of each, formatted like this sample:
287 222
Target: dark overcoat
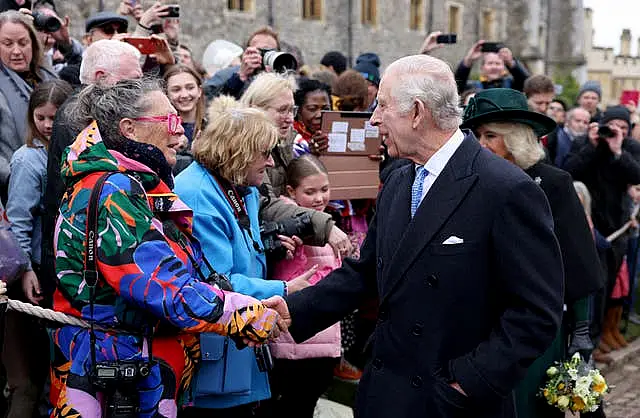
477 311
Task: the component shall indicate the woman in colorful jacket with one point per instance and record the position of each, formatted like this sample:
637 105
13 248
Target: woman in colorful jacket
151 299
231 157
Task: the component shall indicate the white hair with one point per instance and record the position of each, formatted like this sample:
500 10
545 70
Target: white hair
105 55
430 81
520 140
572 112
583 193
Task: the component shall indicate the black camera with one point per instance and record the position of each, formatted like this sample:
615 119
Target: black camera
107 375
605 132
299 225
46 23
280 61
221 281
173 11
118 381
264 358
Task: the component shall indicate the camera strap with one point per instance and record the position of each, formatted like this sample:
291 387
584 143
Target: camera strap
237 205
90 273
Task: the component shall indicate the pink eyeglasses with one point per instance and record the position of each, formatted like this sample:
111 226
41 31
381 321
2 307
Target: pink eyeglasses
173 121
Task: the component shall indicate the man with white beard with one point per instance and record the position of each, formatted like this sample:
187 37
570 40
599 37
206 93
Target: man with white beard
559 141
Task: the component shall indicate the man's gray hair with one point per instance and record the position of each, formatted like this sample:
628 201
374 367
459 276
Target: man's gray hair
105 55
108 105
572 112
430 81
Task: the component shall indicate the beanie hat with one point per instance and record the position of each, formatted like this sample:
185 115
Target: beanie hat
336 60
591 85
616 113
368 65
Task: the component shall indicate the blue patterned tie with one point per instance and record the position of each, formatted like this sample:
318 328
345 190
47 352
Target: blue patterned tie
416 189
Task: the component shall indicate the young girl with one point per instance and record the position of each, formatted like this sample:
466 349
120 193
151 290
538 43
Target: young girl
26 350
304 371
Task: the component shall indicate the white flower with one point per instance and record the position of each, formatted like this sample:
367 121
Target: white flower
573 374
563 402
552 371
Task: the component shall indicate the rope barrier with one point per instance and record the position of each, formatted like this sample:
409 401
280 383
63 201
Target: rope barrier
48 314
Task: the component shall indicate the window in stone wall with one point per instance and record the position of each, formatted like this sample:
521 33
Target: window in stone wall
368 16
240 5
415 18
312 9
455 19
489 25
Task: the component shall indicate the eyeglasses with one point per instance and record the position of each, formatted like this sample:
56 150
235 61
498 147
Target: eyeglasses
110 28
266 154
173 121
284 111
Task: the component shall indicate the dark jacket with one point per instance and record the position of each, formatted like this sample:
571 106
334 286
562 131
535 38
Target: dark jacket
558 146
63 135
477 312
582 270
518 76
606 177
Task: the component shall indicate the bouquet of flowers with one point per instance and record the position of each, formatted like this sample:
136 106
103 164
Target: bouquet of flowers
574 386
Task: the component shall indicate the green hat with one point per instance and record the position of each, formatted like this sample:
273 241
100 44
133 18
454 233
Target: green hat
504 105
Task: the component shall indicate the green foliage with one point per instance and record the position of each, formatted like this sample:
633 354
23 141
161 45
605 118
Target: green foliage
570 88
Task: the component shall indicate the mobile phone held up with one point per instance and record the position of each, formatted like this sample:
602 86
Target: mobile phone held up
174 11
492 46
146 46
447 38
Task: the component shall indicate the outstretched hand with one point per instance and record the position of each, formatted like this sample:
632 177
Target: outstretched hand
278 304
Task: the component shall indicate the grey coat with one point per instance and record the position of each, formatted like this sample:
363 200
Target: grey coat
14 102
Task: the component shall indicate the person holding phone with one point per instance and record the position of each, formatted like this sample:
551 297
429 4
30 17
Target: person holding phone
498 68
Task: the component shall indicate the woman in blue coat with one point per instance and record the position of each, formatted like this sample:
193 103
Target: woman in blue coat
220 186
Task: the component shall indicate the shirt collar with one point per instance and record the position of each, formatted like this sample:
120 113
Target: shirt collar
436 163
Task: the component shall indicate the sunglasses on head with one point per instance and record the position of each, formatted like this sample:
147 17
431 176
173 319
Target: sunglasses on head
172 120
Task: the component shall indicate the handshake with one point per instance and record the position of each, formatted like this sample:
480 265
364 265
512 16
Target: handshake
282 322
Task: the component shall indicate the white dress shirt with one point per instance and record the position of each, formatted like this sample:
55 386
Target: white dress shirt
439 160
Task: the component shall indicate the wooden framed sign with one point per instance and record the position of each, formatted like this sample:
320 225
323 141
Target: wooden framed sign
352 174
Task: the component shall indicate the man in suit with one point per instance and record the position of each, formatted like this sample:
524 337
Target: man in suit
462 255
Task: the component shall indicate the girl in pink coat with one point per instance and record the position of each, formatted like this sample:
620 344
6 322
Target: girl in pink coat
304 371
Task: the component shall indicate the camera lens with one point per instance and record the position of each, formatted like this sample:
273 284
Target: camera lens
605 132
144 370
45 23
280 61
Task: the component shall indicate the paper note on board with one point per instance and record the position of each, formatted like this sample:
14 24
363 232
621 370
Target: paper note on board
370 130
356 146
357 135
338 126
337 142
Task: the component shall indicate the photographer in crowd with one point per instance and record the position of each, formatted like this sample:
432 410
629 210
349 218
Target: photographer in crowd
498 68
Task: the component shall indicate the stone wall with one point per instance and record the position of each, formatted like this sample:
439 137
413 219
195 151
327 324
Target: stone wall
203 21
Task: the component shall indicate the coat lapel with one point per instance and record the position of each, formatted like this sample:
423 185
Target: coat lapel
446 194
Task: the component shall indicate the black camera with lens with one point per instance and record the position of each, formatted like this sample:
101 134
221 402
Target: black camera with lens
280 62
118 381
46 23
299 225
605 132
221 281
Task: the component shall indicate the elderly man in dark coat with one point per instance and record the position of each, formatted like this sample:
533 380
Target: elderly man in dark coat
462 254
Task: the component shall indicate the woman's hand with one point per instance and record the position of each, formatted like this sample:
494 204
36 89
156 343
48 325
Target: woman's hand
319 142
302 281
340 243
31 287
430 43
290 243
154 14
163 53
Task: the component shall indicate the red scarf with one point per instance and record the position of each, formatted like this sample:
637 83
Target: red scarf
302 130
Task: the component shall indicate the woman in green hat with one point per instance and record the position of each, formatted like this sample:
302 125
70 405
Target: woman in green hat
503 124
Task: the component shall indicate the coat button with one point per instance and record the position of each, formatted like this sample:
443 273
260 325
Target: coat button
416 330
379 262
432 281
377 363
383 314
416 381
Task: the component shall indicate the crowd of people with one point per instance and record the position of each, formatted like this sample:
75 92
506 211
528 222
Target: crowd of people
141 186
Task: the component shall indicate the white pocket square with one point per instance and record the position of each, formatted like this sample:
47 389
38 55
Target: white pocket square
453 240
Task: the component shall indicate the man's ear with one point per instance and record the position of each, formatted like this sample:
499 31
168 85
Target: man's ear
418 113
127 128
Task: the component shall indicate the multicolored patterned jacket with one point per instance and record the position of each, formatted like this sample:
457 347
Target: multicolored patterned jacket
147 279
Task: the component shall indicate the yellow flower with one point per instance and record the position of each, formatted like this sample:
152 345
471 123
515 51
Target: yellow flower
546 393
578 404
600 387
563 402
561 386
